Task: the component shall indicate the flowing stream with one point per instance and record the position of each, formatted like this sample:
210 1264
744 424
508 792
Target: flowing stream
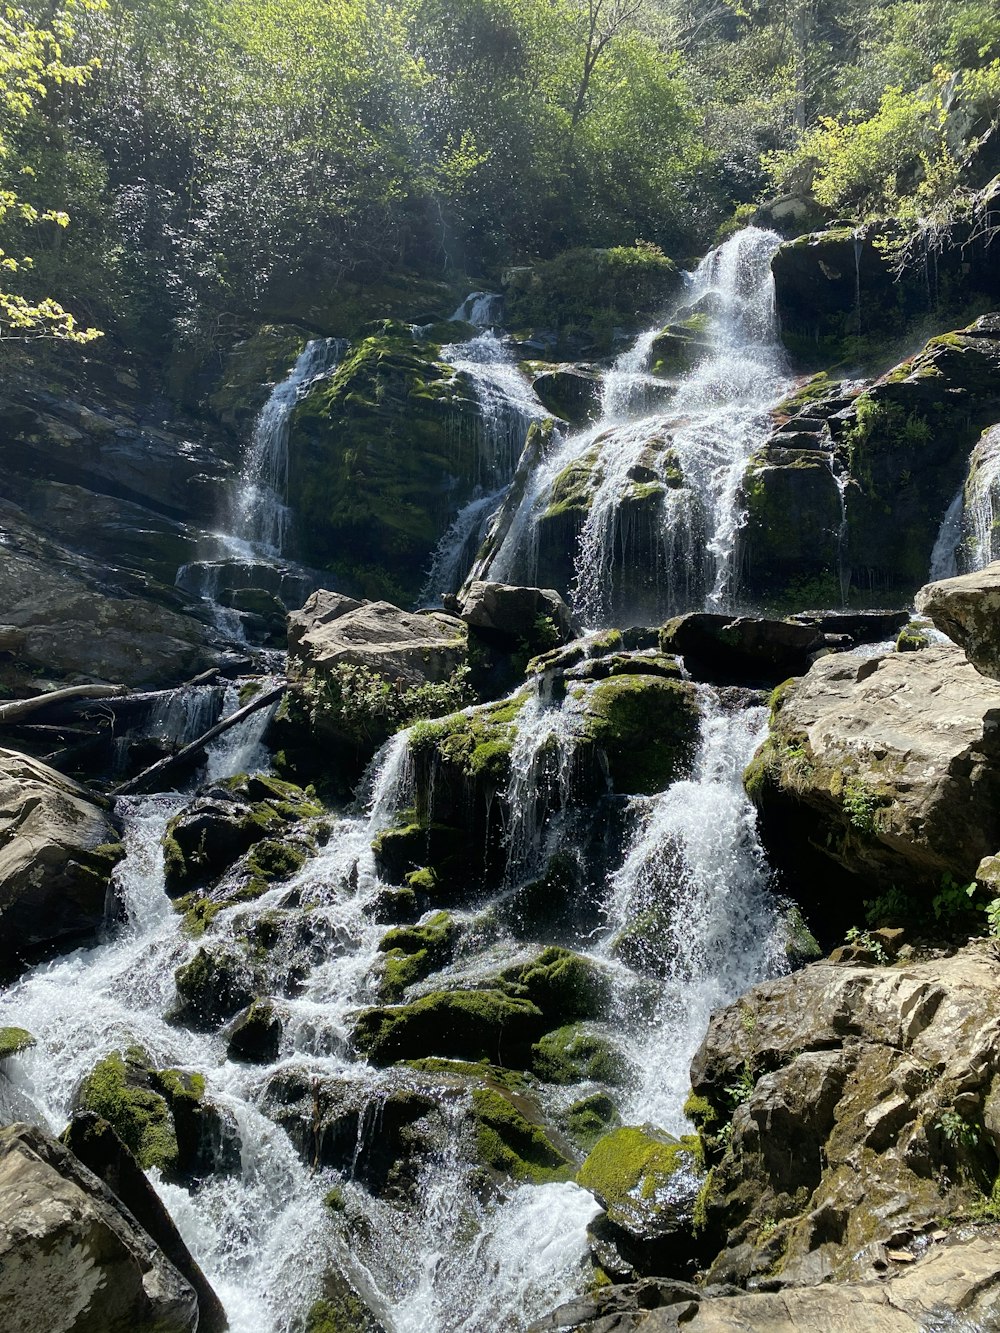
681 916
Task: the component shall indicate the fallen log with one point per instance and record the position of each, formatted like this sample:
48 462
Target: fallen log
18 708
155 771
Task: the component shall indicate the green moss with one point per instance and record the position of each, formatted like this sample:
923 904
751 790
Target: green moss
574 1054
509 1141
911 640
271 859
646 726
590 1118
814 390
480 1069
628 1167
468 1025
14 1040
564 985
414 952
700 1111
118 1090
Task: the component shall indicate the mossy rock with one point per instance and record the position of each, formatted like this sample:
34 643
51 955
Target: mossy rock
414 952
255 1034
120 1089
250 371
576 1054
511 1139
479 1070
463 1024
383 454
647 727
565 986
13 1041
213 986
630 1171
590 1118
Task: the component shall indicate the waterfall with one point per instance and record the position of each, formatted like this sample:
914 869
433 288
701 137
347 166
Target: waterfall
696 879
981 516
697 445
259 511
507 408
944 556
483 309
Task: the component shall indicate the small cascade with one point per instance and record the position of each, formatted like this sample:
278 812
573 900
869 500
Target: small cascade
457 548
627 386
841 478
981 515
241 749
944 556
259 512
696 885
698 443
483 309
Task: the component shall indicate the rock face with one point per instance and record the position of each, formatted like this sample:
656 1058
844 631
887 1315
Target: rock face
862 1105
570 392
744 649
73 1259
967 609
57 851
887 768
382 455
959 1275
845 499
513 613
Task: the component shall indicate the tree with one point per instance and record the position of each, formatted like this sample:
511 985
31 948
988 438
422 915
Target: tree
605 20
31 64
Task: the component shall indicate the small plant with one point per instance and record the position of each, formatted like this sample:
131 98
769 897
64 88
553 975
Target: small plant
861 805
742 1090
956 1129
992 910
952 899
864 939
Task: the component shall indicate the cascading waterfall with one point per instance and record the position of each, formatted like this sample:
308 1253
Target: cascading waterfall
968 537
944 556
507 408
696 876
698 445
259 511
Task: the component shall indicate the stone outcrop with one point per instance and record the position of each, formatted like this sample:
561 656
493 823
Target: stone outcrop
572 393
512 614
845 1110
844 501
887 768
960 1274
967 609
401 646
71 1256
57 851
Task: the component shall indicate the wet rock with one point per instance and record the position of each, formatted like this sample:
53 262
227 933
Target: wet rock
570 392
859 1100
513 614
255 1034
644 726
72 1255
646 1182
213 986
576 1054
411 953
589 1119
564 985
383 453
512 1138
966 609
342 1309
57 851
379 1135
887 768
464 1025
620 1308
745 650
95 1144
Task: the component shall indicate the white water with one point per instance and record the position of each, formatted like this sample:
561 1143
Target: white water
260 513
981 512
944 556
695 863
483 309
719 414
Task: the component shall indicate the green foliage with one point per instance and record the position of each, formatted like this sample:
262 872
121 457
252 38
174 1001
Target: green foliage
366 706
956 1129
741 1089
953 900
864 939
861 804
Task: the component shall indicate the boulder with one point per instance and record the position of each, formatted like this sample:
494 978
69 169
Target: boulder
484 1024
845 506
967 609
885 768
572 393
98 1147
407 647
744 650
846 1109
57 851
73 1259
514 614
382 455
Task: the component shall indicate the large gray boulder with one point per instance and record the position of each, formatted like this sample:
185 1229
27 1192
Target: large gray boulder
887 768
332 630
57 850
72 1258
846 1109
513 613
967 609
